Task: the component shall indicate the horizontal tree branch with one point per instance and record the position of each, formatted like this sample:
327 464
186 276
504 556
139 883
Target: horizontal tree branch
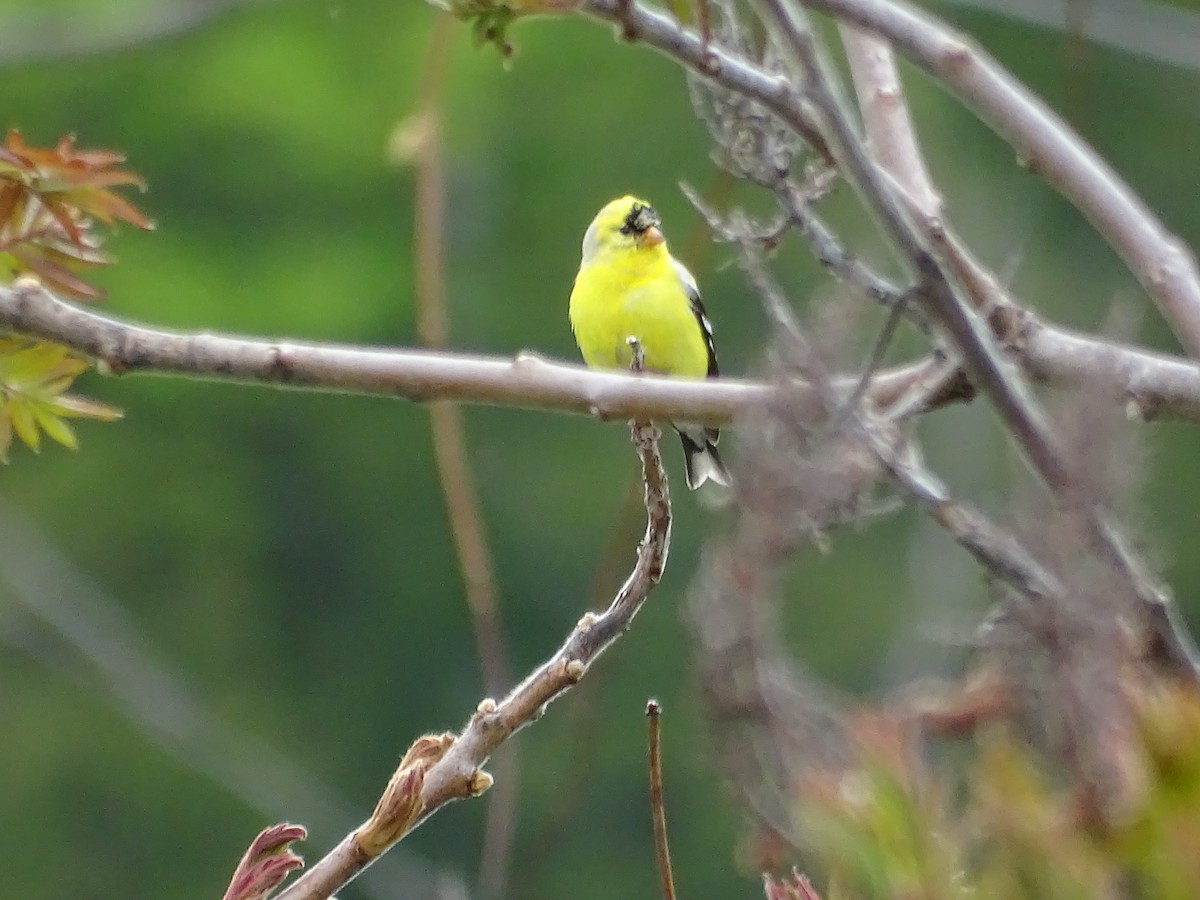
418 375
1161 386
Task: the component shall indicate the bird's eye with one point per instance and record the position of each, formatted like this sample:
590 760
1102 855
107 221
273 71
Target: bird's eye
632 223
639 219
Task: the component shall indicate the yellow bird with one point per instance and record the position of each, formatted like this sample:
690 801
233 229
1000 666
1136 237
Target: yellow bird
629 285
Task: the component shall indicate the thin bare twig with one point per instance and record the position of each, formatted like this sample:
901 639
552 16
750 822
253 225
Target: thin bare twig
998 551
439 769
830 252
658 809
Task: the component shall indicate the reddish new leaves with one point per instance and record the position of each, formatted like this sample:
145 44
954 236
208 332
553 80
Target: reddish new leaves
267 863
52 201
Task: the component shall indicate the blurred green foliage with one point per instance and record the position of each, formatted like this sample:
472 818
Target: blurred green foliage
287 555
1011 823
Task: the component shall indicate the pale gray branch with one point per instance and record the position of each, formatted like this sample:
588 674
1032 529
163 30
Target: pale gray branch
1162 33
1163 387
417 375
886 120
1162 262
982 358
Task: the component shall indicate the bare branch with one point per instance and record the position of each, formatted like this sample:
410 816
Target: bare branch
439 769
665 34
981 357
417 375
1162 386
1047 145
658 809
889 129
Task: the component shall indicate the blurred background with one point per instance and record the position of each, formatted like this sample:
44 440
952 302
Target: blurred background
239 606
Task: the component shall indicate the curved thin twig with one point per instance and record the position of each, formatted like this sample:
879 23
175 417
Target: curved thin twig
658 809
439 769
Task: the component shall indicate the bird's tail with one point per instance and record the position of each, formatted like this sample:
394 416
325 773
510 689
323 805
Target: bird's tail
701 457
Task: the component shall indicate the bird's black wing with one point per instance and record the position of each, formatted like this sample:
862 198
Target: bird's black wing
693 294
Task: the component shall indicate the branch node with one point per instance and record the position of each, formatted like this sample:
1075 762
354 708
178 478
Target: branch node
486 707
281 367
574 669
1136 410
629 31
479 783
526 358
957 55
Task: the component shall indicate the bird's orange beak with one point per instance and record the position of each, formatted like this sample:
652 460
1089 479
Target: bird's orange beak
651 237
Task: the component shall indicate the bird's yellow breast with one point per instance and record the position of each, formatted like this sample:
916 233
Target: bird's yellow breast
639 296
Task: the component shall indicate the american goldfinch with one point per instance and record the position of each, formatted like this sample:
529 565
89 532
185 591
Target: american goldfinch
630 286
